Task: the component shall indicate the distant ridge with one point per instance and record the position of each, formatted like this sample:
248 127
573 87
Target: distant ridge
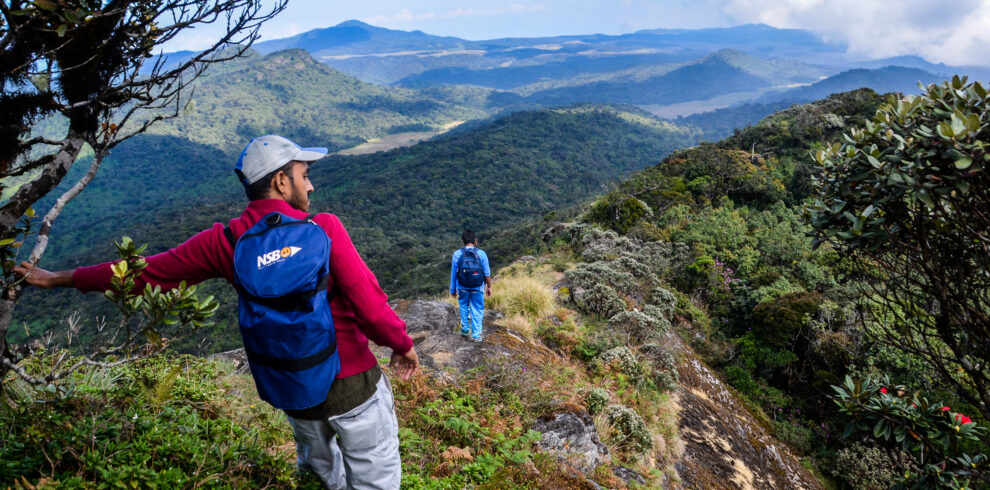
356 37
881 80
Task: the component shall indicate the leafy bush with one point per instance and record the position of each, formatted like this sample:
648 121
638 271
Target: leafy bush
906 196
596 399
931 435
599 300
618 212
663 366
664 300
624 361
777 322
628 429
639 327
156 423
866 467
588 275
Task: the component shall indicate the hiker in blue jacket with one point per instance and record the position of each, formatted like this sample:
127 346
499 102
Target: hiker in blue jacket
470 280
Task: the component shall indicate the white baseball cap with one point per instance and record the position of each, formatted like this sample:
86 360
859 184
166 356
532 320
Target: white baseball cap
266 154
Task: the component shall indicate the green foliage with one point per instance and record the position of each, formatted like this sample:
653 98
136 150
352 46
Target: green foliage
623 361
10 247
628 429
907 196
863 466
596 399
639 327
663 366
459 422
930 434
779 320
663 300
150 424
618 212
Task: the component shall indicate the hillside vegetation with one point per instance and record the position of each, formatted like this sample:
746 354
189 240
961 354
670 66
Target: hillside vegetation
780 319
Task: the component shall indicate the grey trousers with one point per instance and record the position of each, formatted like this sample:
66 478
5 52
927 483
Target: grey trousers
359 449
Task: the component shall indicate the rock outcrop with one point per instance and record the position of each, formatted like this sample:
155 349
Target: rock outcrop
726 446
573 437
435 329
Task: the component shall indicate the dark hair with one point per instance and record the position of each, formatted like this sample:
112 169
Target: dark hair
469 237
261 187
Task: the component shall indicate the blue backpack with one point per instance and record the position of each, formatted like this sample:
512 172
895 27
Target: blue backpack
470 272
281 272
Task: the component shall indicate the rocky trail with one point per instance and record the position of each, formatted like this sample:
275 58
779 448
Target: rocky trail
724 445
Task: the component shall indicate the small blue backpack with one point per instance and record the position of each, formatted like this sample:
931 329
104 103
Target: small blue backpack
470 272
281 272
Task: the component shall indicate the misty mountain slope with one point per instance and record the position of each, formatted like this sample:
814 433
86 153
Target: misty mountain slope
882 80
701 80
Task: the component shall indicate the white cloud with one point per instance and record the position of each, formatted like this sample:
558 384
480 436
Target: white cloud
956 33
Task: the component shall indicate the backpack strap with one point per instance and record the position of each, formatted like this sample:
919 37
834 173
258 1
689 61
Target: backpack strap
227 232
300 364
293 302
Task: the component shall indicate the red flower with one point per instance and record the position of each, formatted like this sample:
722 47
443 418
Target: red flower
883 390
962 419
945 409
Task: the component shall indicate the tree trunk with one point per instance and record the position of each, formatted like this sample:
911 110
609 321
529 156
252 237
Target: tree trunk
6 316
10 214
31 192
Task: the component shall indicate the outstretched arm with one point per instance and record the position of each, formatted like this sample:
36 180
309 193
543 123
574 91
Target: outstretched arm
42 278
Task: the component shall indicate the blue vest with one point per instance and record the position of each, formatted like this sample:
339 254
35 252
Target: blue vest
281 272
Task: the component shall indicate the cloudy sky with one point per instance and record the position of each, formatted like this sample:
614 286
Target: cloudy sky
955 35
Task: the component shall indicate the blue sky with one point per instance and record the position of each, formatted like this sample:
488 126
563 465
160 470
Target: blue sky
957 35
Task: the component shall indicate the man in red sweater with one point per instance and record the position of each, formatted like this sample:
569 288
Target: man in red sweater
359 407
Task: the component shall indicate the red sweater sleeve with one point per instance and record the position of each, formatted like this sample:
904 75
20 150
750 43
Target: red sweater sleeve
194 261
355 283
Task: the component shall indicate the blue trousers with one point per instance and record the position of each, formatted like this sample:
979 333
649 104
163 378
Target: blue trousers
472 303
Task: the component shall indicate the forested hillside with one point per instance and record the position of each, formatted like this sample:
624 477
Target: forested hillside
782 320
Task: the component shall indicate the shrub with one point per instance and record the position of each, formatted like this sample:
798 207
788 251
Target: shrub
157 423
628 429
664 300
596 399
607 273
935 438
623 360
618 212
599 300
638 326
777 321
663 366
866 467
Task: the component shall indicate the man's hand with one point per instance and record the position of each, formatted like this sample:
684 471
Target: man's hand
41 278
488 291
406 364
453 295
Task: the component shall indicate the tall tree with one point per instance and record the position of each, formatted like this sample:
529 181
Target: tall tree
909 197
84 66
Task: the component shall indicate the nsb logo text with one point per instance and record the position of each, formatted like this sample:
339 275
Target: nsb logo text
278 255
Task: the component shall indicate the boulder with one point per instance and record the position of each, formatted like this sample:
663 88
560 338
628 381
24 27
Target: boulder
572 436
628 475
